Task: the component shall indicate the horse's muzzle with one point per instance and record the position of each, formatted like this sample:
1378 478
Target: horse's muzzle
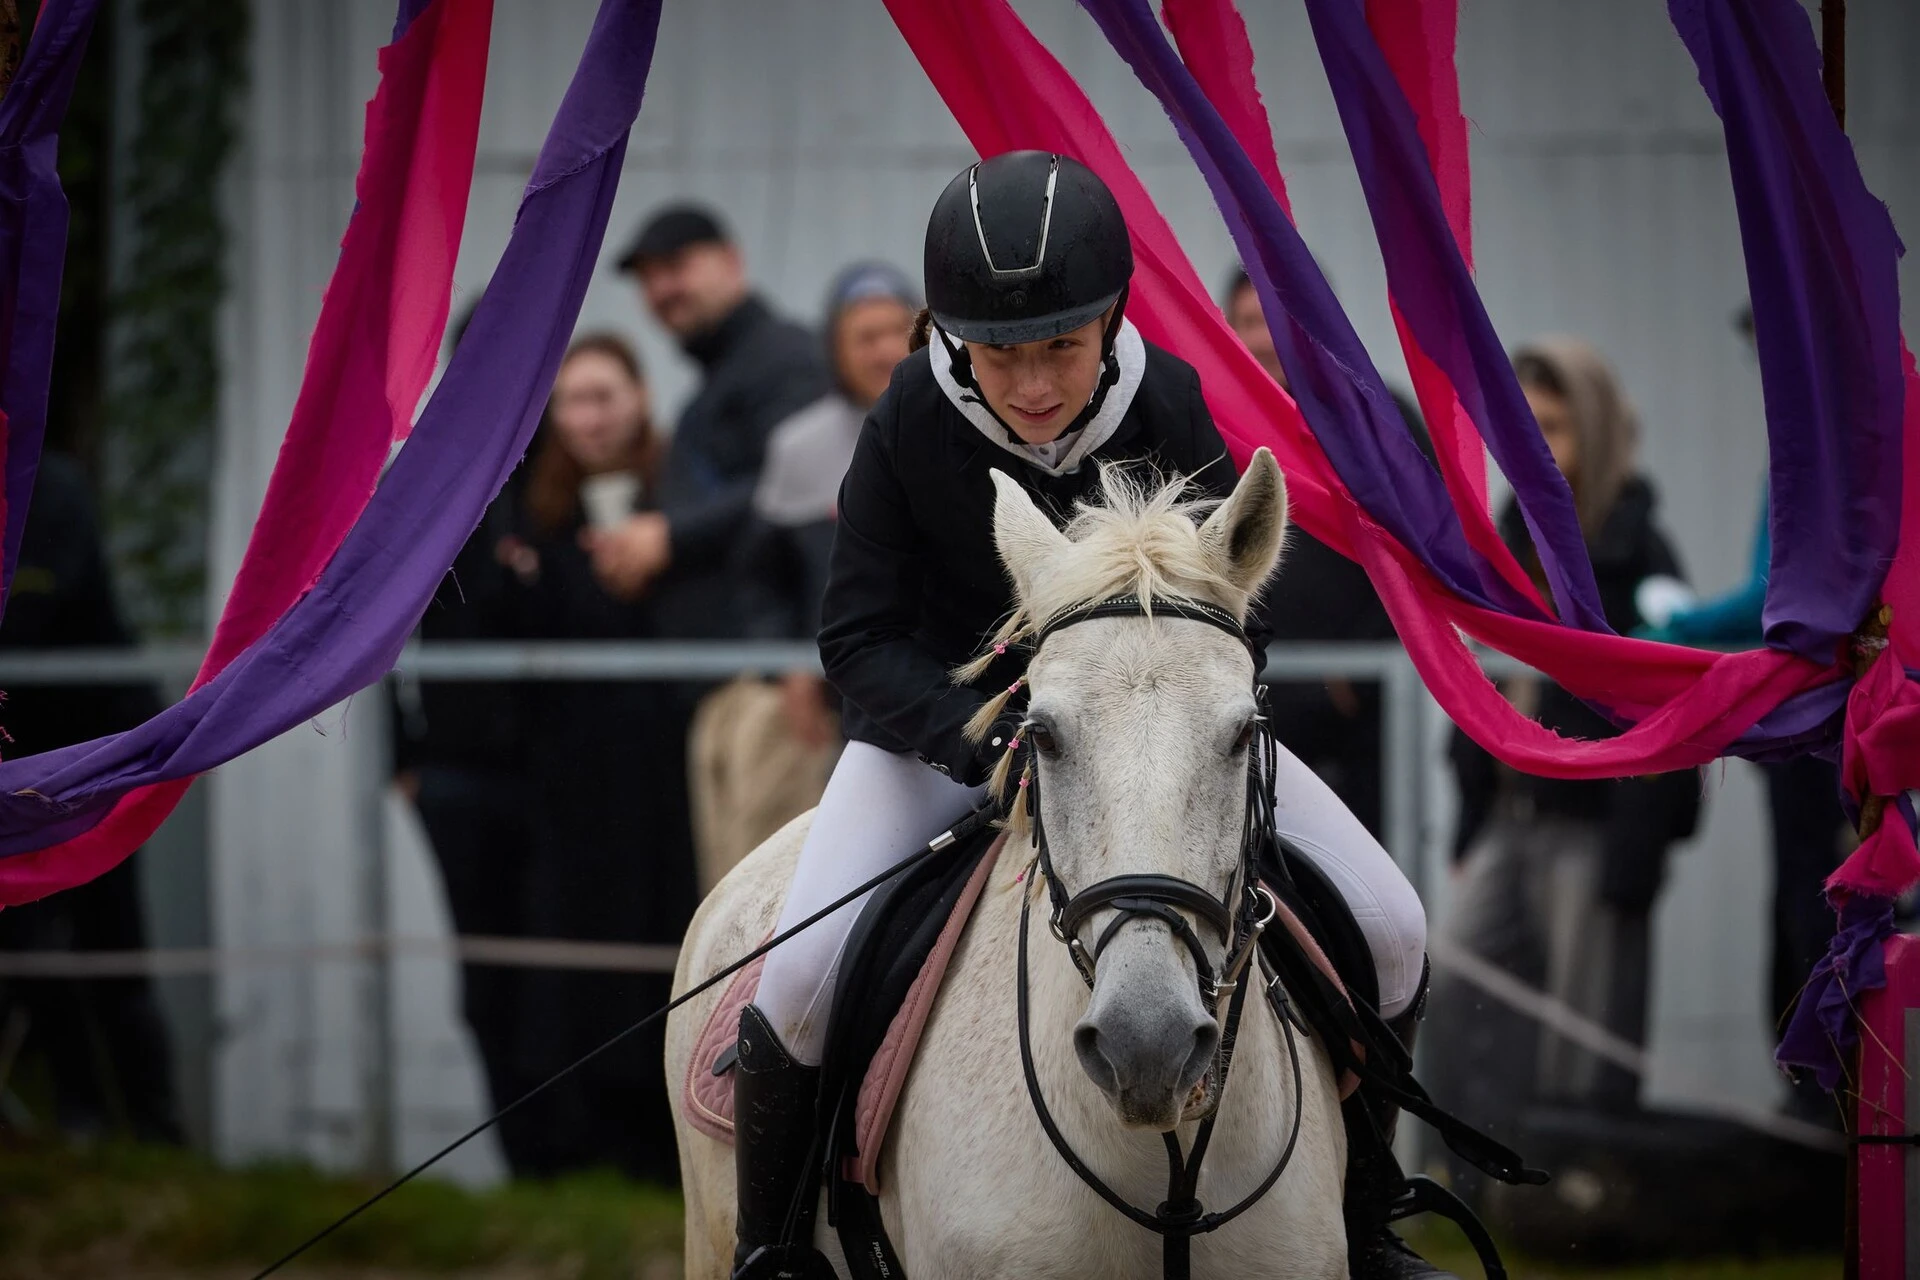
1147 1055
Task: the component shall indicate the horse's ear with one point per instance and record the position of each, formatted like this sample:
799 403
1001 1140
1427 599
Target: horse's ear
1245 532
1021 531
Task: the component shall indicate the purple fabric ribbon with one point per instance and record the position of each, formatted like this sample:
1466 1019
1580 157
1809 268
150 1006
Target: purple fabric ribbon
33 248
1824 1032
1332 378
348 631
1434 289
1821 261
407 12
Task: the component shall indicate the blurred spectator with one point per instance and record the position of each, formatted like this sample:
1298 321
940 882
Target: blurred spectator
758 369
1249 321
458 757
606 771
103 1041
1320 596
762 751
1559 878
1809 826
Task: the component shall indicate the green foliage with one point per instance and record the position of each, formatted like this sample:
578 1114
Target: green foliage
162 401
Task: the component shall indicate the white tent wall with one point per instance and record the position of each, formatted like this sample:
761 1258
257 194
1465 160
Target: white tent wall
1602 207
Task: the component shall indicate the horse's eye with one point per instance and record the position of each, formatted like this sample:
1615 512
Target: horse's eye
1245 739
1042 739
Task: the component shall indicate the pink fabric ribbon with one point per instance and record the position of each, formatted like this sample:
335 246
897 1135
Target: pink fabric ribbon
372 352
1882 758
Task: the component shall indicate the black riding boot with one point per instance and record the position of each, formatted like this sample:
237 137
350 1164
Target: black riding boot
774 1155
1376 1184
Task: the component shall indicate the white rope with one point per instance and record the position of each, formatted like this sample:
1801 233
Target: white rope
1561 1018
518 953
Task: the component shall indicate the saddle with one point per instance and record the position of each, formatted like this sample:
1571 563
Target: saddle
896 958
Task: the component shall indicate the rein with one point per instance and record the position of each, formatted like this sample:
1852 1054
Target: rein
1179 1217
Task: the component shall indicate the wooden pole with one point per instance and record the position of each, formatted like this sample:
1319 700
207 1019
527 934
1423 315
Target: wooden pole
1833 76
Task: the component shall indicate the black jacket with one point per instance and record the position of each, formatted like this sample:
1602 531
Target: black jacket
473 725
759 369
915 584
1640 816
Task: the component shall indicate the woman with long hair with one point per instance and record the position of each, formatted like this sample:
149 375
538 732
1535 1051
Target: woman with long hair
1556 879
606 768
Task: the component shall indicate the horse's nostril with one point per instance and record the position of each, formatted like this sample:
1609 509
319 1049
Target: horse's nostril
1206 1038
1093 1060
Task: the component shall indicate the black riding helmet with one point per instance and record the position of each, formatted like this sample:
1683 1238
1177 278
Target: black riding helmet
1021 248
1024 247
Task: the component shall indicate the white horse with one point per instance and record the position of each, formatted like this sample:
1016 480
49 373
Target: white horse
1143 771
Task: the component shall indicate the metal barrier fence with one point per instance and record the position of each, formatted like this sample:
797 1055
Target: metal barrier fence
1407 712
1404 700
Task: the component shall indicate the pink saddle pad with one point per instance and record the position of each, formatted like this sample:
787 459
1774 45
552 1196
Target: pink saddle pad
708 1099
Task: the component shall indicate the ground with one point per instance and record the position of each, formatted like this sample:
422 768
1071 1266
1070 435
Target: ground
144 1214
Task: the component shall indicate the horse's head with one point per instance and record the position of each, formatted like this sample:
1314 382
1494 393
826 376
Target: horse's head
1139 728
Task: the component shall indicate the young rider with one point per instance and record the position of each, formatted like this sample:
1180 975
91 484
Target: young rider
1031 367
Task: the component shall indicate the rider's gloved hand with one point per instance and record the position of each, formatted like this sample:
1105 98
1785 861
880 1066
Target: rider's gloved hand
987 753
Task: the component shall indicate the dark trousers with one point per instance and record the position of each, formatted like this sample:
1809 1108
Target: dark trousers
103 1041
477 822
1339 737
1804 796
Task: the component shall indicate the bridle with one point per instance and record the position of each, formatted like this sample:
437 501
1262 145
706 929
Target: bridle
1238 920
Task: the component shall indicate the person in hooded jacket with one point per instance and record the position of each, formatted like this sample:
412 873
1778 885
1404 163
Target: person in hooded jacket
1810 828
1029 367
761 749
1557 879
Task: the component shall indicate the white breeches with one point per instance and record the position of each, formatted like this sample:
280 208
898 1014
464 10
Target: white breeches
880 807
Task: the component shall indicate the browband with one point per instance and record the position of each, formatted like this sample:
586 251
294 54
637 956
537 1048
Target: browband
1129 606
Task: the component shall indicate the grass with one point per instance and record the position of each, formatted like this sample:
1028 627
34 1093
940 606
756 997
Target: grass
141 1212
102 1211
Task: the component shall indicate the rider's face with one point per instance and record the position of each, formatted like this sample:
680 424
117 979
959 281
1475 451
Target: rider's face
1039 388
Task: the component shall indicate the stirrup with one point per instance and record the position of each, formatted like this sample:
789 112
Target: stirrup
779 1262
1421 1194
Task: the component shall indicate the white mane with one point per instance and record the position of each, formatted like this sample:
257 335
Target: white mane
1141 537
